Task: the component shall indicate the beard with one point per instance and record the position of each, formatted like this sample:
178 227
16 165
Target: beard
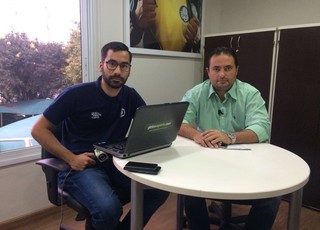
114 82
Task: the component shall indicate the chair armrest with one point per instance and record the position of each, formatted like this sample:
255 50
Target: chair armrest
54 163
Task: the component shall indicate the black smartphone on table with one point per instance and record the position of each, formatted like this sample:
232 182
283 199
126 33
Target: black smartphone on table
142 167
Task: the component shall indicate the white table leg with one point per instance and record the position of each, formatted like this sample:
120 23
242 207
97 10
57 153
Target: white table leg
136 206
295 210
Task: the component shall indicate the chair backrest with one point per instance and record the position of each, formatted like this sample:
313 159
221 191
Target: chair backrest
50 173
51 166
52 185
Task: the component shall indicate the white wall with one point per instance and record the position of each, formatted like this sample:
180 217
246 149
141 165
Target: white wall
252 14
158 79
22 190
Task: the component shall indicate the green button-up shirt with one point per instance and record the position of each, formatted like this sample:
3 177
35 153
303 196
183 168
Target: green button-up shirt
243 108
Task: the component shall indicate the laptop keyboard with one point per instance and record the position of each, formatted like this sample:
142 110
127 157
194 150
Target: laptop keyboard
118 147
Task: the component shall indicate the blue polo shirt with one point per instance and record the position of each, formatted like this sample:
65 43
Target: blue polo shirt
243 108
89 115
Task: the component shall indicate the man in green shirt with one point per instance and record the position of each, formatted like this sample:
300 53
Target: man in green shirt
225 110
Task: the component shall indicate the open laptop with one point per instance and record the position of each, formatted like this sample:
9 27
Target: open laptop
153 127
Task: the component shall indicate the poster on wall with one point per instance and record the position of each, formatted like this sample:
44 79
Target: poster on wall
164 27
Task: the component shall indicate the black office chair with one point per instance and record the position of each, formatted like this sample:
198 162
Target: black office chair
51 166
222 218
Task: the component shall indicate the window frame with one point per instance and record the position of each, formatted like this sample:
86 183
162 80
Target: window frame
88 27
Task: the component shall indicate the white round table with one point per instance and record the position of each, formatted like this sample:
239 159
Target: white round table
189 169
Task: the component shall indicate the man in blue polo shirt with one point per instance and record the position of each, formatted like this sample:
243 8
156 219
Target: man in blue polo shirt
225 110
89 113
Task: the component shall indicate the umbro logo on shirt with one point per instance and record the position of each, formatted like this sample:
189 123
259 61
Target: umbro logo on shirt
95 115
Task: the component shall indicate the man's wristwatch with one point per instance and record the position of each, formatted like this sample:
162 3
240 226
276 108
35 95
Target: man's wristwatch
233 137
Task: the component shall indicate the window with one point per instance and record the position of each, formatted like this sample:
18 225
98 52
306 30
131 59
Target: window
41 53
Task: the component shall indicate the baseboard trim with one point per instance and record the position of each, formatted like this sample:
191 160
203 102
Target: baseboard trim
21 221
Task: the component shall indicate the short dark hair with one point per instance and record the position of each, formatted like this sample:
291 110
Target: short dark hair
115 46
224 50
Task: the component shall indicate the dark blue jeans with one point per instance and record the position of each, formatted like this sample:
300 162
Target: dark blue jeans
103 190
262 214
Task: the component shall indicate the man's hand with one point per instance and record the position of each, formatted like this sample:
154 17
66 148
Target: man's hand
211 138
214 138
82 161
191 33
145 13
198 139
